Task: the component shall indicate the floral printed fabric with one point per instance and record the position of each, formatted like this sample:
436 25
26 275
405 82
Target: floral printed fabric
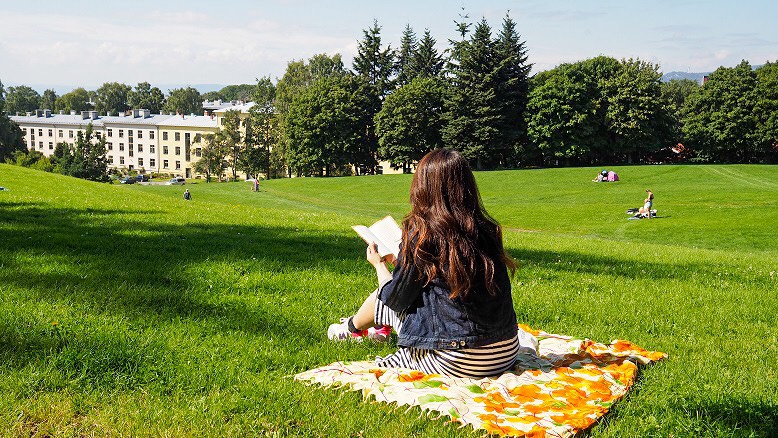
559 393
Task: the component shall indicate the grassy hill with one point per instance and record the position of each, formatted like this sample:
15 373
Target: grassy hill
129 311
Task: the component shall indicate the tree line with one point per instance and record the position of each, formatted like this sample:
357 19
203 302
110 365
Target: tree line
476 96
115 97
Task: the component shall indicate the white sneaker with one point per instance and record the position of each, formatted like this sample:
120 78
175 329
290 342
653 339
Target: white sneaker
340 331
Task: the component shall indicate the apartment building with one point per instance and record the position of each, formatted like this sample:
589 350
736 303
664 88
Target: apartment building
180 141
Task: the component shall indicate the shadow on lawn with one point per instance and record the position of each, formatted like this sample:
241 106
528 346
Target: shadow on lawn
747 417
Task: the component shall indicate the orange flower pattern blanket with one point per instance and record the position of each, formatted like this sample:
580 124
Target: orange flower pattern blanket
563 390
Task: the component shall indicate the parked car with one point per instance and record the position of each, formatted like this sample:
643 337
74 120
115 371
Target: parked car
141 178
128 180
177 181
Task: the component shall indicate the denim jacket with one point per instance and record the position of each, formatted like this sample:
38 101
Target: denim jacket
434 321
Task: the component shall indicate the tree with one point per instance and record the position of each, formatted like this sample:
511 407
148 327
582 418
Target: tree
674 94
410 122
404 63
77 100
213 95
426 61
298 77
21 99
48 100
472 109
721 124
566 116
213 154
86 159
328 127
11 136
184 101
766 110
232 139
512 92
374 63
146 97
237 92
262 133
637 118
112 97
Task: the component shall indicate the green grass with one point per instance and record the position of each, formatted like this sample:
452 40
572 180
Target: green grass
125 310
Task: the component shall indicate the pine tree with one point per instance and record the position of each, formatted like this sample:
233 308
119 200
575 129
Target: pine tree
405 57
512 92
374 63
426 62
472 109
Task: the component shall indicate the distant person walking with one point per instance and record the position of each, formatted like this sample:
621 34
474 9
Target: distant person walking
256 183
187 195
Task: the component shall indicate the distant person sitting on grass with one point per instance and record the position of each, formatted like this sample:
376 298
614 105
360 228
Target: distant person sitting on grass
601 177
187 195
647 204
449 297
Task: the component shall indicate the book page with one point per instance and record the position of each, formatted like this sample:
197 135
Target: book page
385 233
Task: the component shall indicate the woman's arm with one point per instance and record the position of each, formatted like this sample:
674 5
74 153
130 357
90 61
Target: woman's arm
382 271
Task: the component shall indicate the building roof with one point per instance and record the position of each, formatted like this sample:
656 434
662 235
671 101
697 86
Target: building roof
189 121
57 119
243 107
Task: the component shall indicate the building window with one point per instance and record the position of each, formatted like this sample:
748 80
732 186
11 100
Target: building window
98 135
121 146
51 132
151 135
110 158
178 150
152 148
24 130
140 133
130 140
110 146
164 135
164 150
198 152
61 134
131 152
164 164
152 162
178 165
121 159
51 145
121 133
40 144
140 148
129 133
140 161
40 133
197 138
178 136
110 132
70 134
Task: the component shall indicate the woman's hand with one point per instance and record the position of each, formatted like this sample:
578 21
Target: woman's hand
372 255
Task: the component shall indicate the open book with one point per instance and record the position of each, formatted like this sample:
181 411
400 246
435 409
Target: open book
385 233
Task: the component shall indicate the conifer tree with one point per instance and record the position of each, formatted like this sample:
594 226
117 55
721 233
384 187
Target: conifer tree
426 61
405 57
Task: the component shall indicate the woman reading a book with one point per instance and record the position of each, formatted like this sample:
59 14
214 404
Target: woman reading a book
449 296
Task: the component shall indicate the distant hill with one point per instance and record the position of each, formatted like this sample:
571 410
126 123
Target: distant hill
678 75
62 89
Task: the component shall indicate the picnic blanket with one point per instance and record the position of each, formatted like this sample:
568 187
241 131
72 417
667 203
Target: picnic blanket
563 390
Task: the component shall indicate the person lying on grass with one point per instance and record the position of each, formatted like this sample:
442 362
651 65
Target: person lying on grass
449 296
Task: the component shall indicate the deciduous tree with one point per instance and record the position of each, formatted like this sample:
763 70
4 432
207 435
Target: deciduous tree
21 99
184 101
146 97
112 97
77 100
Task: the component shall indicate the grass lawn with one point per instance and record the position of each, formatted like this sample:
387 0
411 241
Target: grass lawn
125 310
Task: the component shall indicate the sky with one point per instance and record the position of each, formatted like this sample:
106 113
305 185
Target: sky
86 43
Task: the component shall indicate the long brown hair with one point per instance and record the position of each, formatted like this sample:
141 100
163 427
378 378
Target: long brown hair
448 234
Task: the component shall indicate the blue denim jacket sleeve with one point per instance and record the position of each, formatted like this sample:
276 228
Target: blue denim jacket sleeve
404 289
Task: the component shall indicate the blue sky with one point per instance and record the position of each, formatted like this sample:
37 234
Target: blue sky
87 43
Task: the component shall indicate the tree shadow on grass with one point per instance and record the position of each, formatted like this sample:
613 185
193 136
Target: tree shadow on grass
747 417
